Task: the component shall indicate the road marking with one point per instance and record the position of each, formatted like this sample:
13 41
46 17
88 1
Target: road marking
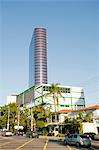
5 143
24 144
45 145
69 147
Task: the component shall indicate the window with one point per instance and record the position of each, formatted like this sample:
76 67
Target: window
43 88
83 136
40 39
62 105
70 136
65 90
46 88
40 56
56 129
75 136
40 46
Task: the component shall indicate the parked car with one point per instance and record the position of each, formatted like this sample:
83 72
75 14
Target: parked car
7 133
90 134
96 137
31 134
18 132
78 140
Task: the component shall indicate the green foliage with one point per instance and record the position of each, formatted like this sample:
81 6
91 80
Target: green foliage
80 115
25 118
3 118
88 117
40 116
44 132
54 92
75 125
60 135
13 116
40 124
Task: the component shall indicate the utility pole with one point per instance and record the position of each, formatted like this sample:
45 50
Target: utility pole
8 118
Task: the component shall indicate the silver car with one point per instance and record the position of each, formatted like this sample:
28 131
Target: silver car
78 140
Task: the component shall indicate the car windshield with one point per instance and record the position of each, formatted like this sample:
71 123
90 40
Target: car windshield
83 136
89 133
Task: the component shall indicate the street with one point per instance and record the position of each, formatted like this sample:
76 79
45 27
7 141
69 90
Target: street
25 143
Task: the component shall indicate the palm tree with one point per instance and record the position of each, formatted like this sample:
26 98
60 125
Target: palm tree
54 90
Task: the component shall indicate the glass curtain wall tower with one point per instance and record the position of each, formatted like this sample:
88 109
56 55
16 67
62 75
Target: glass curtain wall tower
38 58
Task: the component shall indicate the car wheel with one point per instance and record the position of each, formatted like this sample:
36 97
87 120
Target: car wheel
65 142
89 146
78 144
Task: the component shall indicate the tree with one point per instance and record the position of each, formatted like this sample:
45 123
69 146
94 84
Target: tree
3 117
12 115
79 121
40 116
39 119
25 118
80 115
11 108
88 117
55 91
72 126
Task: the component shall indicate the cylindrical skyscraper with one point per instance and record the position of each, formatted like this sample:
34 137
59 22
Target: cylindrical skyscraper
38 58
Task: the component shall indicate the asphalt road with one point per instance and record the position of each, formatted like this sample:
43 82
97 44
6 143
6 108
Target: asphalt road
25 143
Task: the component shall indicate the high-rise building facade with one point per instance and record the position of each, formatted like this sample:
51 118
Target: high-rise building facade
38 57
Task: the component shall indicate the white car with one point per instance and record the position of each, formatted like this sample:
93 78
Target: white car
7 133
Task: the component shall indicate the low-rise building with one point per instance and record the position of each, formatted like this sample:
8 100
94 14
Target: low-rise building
94 110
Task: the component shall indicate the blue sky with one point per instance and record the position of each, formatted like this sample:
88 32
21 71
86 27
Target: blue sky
72 35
